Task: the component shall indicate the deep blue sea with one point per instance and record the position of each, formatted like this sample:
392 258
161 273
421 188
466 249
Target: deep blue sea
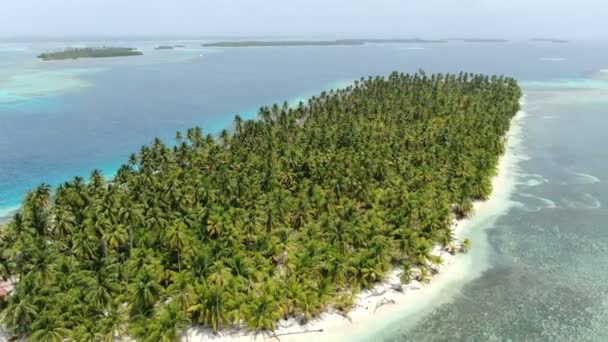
543 272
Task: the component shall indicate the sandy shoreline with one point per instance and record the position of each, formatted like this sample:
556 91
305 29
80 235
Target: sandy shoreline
383 304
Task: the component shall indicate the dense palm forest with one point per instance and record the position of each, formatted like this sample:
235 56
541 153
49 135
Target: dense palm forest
285 216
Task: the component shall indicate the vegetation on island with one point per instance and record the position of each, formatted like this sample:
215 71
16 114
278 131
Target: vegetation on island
251 43
75 53
168 47
285 216
402 41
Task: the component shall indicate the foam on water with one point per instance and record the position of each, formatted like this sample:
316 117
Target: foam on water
585 201
545 203
585 178
532 179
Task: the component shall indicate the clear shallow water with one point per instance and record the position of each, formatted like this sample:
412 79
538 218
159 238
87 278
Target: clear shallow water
538 271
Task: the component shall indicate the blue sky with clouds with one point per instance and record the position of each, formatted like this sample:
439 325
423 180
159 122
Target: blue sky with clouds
320 18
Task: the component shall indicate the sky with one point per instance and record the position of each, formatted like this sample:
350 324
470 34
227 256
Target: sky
306 18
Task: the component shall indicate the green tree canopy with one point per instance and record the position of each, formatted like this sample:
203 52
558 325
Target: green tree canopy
282 216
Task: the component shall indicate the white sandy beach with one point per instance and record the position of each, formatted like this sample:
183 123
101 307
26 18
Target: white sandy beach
370 313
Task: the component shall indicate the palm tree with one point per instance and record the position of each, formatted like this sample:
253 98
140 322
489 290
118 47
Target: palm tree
132 215
177 239
145 291
182 291
218 278
49 330
19 315
262 313
406 274
167 325
445 239
113 324
96 180
215 223
36 210
210 307
101 289
238 125
465 246
43 267
84 246
63 223
115 236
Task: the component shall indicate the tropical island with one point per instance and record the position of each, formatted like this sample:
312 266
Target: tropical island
168 47
318 42
76 53
287 216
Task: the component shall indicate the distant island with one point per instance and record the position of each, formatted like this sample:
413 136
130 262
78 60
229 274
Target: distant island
168 47
253 43
76 53
284 217
403 41
549 40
